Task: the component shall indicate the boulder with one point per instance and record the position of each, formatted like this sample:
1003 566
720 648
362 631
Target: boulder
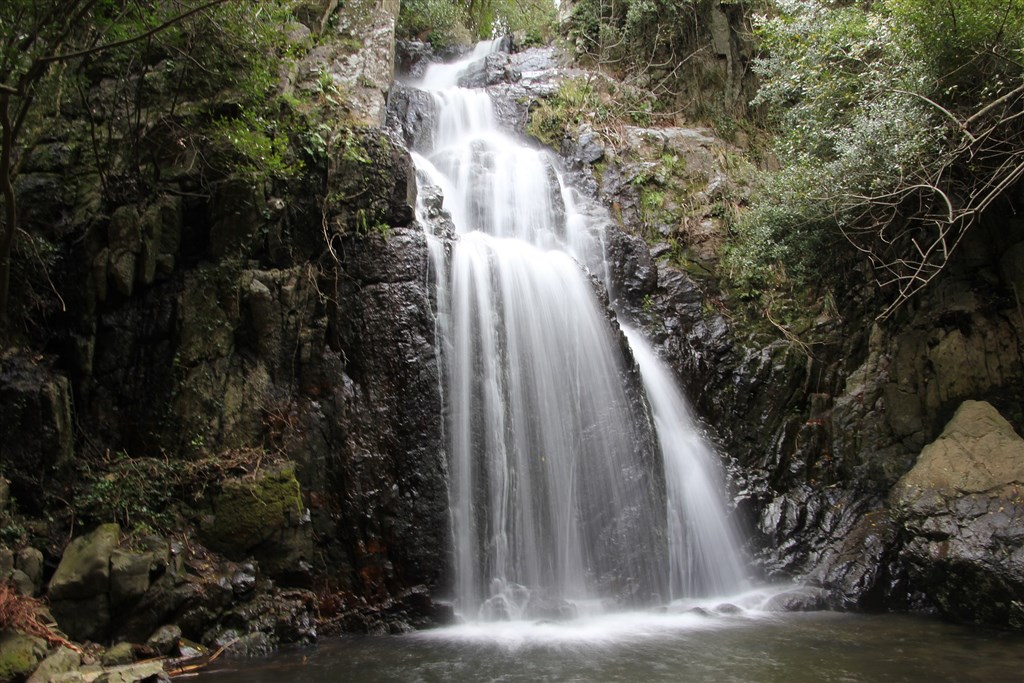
165 639
79 589
59 662
19 654
961 509
263 517
118 655
84 569
129 575
30 561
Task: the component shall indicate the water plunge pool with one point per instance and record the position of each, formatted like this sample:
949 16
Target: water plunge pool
748 647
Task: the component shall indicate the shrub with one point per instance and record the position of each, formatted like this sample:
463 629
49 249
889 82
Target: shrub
897 126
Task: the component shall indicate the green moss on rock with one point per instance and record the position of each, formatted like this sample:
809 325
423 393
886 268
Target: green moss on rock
248 512
19 654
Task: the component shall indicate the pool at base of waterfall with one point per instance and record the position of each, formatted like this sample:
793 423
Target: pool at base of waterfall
671 645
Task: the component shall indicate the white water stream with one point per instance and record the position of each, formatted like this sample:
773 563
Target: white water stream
554 507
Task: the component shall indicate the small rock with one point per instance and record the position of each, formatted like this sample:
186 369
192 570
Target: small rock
61 661
187 648
728 608
6 561
250 645
798 600
165 639
22 583
133 673
30 561
590 147
243 582
121 653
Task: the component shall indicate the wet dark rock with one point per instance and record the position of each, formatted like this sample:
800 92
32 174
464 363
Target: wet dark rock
411 609
634 274
493 69
243 582
165 639
412 57
36 434
547 608
962 512
727 608
411 111
805 599
376 175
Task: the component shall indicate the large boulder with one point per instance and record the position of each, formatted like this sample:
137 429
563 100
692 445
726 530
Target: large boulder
962 513
19 654
263 517
79 589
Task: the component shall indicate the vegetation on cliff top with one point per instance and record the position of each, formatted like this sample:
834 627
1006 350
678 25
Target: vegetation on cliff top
896 125
451 22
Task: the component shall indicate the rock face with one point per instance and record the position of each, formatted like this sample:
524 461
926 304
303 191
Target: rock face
36 440
961 508
281 329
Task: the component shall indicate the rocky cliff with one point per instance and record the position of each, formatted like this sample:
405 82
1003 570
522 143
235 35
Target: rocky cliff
240 371
818 419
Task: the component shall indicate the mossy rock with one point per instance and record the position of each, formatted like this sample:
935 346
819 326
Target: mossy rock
19 654
251 511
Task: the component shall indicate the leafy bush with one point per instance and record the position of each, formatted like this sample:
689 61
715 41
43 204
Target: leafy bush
440 22
897 126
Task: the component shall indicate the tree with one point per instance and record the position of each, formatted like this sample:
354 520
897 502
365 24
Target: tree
38 34
897 127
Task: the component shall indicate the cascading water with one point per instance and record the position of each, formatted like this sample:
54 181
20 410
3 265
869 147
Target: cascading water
704 556
554 485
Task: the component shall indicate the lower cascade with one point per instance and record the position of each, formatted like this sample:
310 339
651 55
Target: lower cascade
567 493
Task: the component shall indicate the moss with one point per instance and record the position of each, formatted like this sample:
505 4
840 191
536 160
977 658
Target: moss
248 512
19 655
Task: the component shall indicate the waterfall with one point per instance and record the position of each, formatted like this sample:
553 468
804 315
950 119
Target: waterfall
555 477
704 556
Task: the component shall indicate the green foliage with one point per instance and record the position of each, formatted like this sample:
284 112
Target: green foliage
600 102
440 22
650 42
871 109
563 111
130 491
259 146
153 494
452 22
